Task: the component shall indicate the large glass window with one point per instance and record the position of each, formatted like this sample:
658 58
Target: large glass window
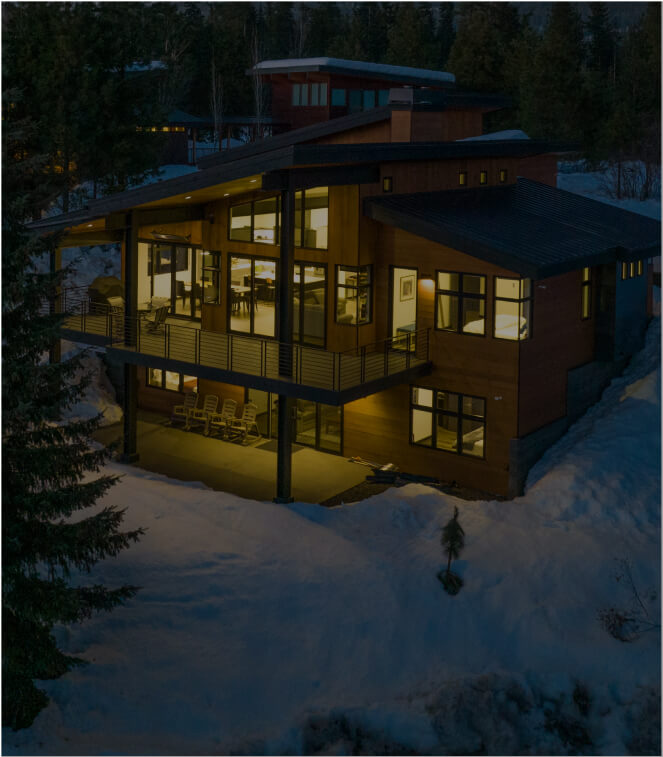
312 218
173 278
256 221
586 293
354 294
310 303
354 100
296 94
460 302
448 421
513 308
368 99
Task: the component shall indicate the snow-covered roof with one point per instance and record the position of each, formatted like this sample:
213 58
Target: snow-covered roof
356 68
498 135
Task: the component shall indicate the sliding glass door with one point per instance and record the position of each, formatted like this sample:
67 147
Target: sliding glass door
174 273
252 296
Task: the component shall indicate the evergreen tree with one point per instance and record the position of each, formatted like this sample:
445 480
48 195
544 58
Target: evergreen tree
453 542
326 29
411 39
551 97
444 36
485 41
279 40
602 40
45 460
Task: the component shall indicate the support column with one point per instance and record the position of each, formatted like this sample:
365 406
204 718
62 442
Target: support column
130 451
286 404
55 353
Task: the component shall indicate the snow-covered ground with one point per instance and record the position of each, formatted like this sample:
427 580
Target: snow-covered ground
299 629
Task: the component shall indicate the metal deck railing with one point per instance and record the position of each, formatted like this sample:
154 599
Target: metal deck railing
311 366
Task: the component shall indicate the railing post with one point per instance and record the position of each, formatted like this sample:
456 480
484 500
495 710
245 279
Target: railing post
229 353
166 338
386 357
199 336
362 364
55 352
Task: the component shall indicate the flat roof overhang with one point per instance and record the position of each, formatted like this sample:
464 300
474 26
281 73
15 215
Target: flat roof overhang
529 228
280 385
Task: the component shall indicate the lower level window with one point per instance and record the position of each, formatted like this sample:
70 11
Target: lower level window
173 382
448 421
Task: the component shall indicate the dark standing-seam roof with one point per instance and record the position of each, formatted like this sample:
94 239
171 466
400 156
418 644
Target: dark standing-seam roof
528 227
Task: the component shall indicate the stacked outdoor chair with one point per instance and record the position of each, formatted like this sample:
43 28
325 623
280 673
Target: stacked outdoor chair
160 314
242 428
181 412
221 421
198 416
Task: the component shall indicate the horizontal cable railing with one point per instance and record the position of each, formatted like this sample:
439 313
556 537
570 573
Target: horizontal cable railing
83 314
267 358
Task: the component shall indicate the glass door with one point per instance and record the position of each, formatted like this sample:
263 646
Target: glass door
252 295
404 308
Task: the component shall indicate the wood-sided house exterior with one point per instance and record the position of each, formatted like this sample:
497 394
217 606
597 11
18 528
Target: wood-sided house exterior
379 289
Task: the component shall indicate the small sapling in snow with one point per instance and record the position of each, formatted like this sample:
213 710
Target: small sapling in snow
453 541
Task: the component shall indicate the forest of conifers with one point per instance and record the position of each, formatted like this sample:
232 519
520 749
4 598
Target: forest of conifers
583 77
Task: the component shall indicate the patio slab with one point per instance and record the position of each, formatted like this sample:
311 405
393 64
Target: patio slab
248 472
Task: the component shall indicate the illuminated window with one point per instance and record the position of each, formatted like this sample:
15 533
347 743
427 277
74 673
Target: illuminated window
211 265
631 270
462 178
256 221
448 421
503 175
640 267
624 271
460 303
171 381
513 309
354 294
483 177
312 218
387 184
586 293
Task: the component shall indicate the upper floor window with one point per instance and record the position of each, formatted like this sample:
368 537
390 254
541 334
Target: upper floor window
460 302
586 293
503 175
354 100
462 178
448 421
354 294
483 177
383 97
319 93
256 221
640 268
312 218
296 94
368 99
513 308
624 271
338 97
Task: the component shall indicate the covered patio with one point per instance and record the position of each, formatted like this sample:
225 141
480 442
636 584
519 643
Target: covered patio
245 471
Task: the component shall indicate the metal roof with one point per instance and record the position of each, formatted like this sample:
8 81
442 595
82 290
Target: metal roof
356 68
527 227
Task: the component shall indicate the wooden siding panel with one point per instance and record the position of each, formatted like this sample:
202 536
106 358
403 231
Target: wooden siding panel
541 168
561 341
380 132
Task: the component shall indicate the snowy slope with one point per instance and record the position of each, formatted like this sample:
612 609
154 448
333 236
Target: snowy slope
290 629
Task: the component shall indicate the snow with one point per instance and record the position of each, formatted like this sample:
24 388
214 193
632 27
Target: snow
300 629
507 134
383 69
592 184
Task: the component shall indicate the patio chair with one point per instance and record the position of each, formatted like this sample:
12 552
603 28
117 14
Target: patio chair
181 412
160 314
198 415
221 420
241 427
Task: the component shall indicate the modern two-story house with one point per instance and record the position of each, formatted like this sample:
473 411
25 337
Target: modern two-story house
386 283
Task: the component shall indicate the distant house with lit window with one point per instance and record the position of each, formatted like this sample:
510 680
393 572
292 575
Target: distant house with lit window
383 281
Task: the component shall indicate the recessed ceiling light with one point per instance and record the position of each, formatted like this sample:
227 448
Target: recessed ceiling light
188 197
89 225
253 181
227 194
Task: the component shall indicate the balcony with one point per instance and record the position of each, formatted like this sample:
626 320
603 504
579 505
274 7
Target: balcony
316 374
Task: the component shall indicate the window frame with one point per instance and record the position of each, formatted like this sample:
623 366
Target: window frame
458 414
370 286
252 203
520 300
460 295
215 272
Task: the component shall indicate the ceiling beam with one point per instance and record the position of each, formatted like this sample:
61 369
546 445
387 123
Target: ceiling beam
86 238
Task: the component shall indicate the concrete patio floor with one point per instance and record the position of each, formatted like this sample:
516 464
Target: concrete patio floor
225 466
